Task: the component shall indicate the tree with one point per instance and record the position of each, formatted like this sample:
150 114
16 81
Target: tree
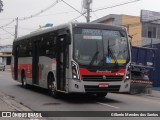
1 5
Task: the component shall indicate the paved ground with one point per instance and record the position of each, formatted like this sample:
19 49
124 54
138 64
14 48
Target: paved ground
155 93
7 103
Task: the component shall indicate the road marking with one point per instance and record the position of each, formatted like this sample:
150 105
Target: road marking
108 105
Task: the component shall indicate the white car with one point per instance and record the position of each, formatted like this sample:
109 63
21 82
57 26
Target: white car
2 67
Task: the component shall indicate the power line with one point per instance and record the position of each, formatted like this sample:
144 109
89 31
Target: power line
8 23
58 13
128 2
34 15
117 5
57 1
95 15
78 17
29 17
73 8
42 11
6 31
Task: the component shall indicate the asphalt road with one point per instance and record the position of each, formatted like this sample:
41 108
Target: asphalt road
38 100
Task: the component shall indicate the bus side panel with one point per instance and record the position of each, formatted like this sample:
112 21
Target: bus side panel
45 65
25 64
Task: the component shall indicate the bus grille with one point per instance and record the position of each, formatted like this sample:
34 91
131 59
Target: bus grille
113 88
101 79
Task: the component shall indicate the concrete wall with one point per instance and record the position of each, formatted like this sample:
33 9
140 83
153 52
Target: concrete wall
132 23
155 39
110 19
150 41
134 27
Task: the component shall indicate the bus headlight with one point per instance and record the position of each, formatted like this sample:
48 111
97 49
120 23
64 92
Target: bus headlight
128 73
75 71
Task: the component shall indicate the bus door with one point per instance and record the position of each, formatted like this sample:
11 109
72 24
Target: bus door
16 50
35 63
61 62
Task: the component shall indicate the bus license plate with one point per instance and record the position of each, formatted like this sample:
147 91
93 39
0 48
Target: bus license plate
103 85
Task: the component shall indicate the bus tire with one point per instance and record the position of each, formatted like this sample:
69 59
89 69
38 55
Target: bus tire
52 86
103 94
23 80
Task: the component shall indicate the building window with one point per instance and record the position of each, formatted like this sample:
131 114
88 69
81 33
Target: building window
152 32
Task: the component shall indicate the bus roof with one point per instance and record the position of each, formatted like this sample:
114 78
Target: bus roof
42 31
83 25
99 25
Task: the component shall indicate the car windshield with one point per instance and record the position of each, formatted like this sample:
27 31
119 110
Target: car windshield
96 47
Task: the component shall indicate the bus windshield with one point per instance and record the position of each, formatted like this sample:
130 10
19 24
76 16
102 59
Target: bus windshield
94 47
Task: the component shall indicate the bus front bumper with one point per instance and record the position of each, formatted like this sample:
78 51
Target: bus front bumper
81 86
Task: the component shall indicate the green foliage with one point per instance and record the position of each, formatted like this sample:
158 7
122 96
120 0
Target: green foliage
1 5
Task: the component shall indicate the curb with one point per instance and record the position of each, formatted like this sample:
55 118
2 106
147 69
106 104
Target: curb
14 105
9 100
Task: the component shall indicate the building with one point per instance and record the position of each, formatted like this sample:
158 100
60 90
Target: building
150 27
5 54
132 23
144 29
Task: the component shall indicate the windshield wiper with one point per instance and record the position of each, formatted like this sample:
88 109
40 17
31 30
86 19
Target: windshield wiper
111 53
94 56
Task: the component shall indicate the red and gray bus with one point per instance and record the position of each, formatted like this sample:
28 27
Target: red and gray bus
74 58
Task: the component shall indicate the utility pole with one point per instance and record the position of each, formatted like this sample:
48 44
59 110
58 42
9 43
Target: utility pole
16 28
86 6
88 11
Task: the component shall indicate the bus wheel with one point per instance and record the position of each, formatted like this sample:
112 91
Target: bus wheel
103 94
23 80
52 87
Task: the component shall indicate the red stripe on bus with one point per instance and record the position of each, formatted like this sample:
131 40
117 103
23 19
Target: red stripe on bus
27 69
84 71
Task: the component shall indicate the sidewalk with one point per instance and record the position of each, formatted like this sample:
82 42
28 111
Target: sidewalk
7 103
155 93
156 88
8 68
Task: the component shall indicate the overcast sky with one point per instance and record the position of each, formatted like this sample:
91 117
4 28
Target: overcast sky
60 13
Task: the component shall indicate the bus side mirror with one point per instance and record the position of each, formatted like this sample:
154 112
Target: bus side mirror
130 36
130 44
130 40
